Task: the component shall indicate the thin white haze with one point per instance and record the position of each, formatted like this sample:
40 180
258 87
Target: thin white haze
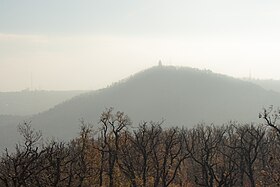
67 44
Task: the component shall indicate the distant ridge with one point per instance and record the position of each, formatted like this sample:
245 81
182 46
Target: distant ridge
181 96
268 84
28 102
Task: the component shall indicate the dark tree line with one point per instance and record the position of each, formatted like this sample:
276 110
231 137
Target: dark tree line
117 154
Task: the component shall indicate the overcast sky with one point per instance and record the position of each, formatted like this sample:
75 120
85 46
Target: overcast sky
88 44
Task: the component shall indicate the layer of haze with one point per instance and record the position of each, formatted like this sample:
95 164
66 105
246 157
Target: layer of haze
69 44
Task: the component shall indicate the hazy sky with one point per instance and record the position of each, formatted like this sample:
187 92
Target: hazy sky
88 44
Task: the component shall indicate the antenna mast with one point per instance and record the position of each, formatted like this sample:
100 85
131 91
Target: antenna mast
31 81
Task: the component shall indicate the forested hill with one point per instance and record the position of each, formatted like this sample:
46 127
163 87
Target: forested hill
180 96
31 102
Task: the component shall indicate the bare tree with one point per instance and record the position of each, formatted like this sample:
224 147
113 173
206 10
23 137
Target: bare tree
173 154
145 142
18 168
129 158
112 126
202 144
271 118
249 141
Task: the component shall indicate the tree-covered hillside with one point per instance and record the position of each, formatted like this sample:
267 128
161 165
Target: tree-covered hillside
181 96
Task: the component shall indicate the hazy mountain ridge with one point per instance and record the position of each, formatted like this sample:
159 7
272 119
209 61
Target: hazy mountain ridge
268 84
180 96
32 102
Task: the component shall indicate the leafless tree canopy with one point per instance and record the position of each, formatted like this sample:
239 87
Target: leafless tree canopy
114 154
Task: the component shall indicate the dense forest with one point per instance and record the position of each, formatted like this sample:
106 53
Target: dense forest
115 153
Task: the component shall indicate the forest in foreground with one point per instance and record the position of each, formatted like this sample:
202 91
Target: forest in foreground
115 153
